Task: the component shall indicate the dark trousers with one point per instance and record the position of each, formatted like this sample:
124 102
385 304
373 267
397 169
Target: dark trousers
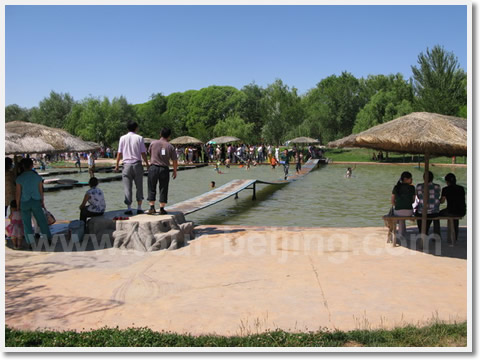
445 212
85 213
160 175
436 223
298 167
285 168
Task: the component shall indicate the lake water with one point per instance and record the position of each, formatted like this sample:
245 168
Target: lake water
323 198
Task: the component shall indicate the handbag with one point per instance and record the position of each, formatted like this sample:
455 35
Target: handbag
391 213
50 218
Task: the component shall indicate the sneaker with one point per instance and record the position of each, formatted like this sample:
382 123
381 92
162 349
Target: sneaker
151 212
163 212
128 212
140 212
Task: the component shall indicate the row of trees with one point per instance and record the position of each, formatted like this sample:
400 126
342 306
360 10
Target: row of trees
336 107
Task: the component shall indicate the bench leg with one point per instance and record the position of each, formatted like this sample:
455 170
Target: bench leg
391 237
394 233
451 232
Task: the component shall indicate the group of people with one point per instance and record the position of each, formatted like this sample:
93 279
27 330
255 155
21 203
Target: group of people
25 196
132 150
24 188
408 200
274 158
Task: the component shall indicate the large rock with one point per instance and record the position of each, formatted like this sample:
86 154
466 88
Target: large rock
153 232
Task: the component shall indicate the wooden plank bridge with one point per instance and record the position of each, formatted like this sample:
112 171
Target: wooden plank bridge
232 188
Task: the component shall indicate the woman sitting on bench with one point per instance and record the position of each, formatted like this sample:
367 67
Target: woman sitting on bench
403 196
455 196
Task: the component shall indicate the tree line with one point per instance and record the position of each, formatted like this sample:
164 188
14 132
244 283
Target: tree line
338 106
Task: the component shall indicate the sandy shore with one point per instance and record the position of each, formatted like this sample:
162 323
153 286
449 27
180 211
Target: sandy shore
234 280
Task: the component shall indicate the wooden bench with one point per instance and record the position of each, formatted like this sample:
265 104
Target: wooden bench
391 223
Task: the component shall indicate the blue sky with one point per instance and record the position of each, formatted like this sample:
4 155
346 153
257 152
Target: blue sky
136 51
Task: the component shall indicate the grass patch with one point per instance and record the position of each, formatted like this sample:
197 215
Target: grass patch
365 155
436 335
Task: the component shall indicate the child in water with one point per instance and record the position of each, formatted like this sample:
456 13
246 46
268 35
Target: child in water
15 229
349 172
212 184
273 162
217 167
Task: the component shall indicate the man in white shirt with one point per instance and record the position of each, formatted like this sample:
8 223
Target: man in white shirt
132 149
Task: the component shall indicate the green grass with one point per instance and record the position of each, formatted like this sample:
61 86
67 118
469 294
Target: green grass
364 155
439 334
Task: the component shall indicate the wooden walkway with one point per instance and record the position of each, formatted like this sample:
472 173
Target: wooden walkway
232 188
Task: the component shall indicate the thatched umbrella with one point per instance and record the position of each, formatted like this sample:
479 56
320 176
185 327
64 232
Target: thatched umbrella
30 138
303 140
224 140
416 133
186 140
348 141
149 140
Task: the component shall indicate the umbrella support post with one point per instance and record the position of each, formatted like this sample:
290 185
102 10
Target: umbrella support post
424 243
254 196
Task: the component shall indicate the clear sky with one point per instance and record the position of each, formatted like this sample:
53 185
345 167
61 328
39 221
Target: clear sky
136 51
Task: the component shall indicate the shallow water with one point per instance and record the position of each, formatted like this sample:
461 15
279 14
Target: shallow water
322 198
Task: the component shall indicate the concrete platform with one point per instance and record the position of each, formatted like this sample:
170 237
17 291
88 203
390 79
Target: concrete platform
234 280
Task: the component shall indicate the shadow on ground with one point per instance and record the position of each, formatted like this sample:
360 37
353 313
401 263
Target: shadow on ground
438 248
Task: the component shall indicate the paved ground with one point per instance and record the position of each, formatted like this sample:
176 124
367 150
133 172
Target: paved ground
239 280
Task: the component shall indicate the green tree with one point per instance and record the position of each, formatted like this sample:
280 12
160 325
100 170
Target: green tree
282 110
100 120
211 105
334 103
439 82
16 113
252 110
85 119
316 116
53 111
149 115
177 112
235 126
390 97
117 115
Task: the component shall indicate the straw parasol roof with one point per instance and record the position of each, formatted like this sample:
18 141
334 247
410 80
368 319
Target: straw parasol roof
149 140
416 133
303 140
30 138
186 140
348 141
224 140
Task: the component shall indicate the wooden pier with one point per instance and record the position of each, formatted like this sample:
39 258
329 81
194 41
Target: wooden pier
232 188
